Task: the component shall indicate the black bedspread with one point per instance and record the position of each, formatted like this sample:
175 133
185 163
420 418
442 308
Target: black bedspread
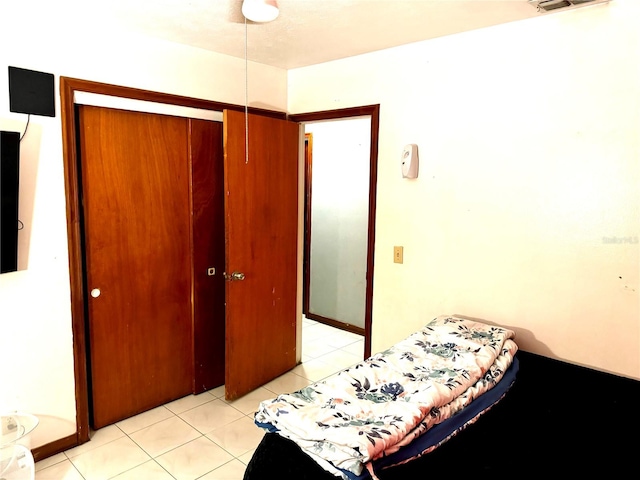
557 420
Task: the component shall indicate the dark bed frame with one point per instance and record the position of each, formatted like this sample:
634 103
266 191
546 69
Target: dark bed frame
557 419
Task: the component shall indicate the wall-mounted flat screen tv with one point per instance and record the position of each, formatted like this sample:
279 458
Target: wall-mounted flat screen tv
9 181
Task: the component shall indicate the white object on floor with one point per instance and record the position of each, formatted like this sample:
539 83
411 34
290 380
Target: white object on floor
16 463
16 460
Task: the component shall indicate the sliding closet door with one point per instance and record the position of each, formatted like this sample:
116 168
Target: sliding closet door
135 188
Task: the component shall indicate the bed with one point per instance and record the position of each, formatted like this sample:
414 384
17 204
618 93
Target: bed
401 403
518 412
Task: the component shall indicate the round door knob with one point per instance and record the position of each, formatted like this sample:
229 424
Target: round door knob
234 276
237 276
95 293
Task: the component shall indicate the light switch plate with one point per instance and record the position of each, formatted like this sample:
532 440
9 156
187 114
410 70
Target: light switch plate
397 254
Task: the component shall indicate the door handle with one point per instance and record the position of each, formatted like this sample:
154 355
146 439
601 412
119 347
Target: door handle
234 276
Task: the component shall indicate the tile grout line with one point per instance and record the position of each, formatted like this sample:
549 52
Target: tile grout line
250 416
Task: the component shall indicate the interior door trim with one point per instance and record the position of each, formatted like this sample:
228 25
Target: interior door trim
308 193
68 88
374 112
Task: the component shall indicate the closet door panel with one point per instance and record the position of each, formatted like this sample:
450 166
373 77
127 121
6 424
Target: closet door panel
136 219
207 184
261 228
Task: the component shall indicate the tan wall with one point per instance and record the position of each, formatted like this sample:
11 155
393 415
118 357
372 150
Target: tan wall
525 211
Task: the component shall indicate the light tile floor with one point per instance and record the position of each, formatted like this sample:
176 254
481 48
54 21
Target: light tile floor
199 436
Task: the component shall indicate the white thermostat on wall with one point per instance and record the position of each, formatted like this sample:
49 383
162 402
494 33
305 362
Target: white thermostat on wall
409 161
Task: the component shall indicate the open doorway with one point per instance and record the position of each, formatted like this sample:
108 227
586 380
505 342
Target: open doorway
340 191
337 211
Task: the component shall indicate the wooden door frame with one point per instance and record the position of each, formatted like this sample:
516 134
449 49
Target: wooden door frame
308 191
68 89
372 111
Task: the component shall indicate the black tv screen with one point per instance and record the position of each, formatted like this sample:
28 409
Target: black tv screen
9 181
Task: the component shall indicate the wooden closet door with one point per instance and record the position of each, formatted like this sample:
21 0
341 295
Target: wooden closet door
207 192
135 188
261 228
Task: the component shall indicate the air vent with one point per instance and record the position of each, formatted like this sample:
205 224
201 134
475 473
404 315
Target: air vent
553 4
550 5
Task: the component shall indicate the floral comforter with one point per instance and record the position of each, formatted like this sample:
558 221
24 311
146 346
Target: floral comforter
375 407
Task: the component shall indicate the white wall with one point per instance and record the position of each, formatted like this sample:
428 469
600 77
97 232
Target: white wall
35 317
525 212
339 218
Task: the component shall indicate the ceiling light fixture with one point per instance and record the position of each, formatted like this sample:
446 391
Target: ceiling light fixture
260 11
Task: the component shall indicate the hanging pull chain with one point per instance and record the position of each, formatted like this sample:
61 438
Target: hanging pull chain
246 97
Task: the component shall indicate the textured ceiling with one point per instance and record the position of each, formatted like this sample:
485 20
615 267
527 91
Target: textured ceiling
306 32
311 31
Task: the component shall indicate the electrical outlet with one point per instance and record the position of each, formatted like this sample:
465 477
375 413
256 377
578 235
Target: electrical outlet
9 424
397 254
